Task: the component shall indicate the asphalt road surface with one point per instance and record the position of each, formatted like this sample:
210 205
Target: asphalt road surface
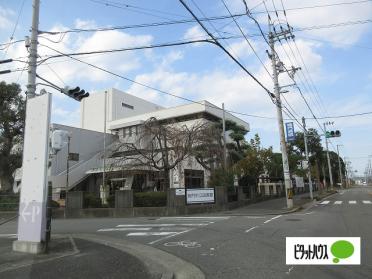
245 246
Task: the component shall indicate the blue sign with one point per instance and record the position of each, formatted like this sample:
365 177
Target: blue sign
289 128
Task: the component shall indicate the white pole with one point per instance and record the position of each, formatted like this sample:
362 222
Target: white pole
32 58
104 143
328 158
307 159
287 179
224 136
339 165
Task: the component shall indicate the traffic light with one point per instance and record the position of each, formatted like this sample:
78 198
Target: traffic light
333 134
75 93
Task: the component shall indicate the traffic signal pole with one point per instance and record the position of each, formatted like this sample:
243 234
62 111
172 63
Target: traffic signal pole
287 179
307 159
328 158
339 165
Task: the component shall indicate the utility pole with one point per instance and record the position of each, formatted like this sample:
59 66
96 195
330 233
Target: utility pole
104 143
67 171
32 58
32 223
339 165
224 137
276 69
307 159
328 159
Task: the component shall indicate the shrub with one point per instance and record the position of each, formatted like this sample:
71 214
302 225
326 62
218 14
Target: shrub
92 201
111 201
149 199
54 204
9 202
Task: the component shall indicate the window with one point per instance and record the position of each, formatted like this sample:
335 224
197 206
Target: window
194 178
127 106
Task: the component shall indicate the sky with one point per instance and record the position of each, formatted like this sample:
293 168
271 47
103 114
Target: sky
335 76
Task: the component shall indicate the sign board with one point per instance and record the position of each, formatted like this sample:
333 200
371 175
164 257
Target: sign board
299 182
289 128
33 198
73 157
180 192
200 195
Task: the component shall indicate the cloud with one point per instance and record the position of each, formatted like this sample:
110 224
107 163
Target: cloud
5 15
194 33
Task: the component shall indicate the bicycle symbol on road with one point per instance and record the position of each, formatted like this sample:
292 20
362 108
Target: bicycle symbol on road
184 243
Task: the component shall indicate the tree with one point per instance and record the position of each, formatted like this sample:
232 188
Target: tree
12 116
256 161
159 145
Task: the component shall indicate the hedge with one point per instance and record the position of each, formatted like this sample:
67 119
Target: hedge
91 200
150 199
9 202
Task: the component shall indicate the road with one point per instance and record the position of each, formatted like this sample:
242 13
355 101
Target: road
224 246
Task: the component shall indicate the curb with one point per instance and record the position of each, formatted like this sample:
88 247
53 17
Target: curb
157 261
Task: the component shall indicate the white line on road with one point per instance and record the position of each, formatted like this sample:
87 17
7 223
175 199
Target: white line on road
267 221
150 233
251 229
10 235
169 236
123 229
352 202
325 202
194 218
338 202
367 202
161 225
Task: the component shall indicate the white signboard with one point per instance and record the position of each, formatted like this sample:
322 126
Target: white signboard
299 182
180 192
200 195
32 206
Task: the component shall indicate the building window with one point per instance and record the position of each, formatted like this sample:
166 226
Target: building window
194 178
127 106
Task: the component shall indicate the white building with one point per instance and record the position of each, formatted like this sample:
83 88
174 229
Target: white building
124 114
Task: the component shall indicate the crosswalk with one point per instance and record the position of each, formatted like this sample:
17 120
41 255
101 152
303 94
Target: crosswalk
163 227
352 202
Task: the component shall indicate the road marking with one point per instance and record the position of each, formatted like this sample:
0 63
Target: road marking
194 218
169 236
338 202
160 225
367 202
9 235
325 202
267 221
251 229
352 202
150 233
123 229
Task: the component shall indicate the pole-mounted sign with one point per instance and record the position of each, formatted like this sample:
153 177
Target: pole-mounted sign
289 128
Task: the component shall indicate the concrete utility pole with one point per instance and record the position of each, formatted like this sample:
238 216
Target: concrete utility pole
32 60
274 64
339 165
104 143
307 159
67 171
32 221
328 158
224 137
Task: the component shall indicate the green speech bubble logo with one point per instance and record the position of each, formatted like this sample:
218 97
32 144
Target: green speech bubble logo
341 249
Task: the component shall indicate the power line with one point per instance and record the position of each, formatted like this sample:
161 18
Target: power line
271 95
246 39
150 87
14 29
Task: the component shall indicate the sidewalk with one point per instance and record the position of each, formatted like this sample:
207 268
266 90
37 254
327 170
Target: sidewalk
276 206
71 258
